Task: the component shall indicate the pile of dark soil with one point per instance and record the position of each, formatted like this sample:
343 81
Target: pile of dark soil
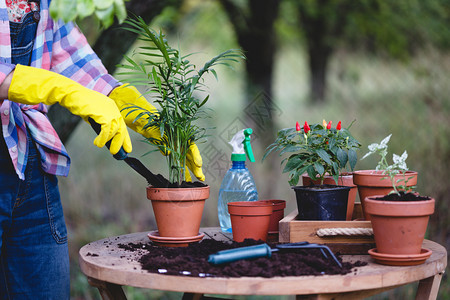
402 196
164 183
193 261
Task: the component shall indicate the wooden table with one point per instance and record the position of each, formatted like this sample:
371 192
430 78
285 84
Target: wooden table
108 267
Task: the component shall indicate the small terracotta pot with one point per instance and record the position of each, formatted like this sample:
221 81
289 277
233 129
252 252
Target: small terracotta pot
250 219
277 214
399 226
372 182
345 179
178 211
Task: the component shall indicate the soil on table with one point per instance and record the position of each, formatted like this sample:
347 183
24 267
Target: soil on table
193 261
402 196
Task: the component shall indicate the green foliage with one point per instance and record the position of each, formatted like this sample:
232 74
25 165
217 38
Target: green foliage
174 84
103 10
396 28
391 170
318 151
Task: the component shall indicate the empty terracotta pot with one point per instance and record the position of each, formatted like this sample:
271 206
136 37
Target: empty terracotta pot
250 219
372 182
178 211
278 207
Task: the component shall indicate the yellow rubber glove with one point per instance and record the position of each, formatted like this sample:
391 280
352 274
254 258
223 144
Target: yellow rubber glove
126 96
33 86
194 162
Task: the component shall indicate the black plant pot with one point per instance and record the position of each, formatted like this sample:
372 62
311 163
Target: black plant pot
322 202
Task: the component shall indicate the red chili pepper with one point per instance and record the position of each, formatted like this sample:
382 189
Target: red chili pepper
338 127
306 127
329 125
297 126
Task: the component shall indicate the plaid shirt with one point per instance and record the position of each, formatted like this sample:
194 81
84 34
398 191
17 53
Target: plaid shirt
61 48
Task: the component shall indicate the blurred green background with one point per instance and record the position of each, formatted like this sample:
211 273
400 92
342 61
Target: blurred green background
387 84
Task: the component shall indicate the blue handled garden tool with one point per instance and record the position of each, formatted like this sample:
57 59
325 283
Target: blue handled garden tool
134 163
263 250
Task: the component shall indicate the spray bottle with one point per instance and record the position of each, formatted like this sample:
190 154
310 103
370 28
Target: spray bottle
238 183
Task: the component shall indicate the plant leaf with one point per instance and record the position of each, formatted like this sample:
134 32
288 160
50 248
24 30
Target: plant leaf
311 171
292 163
120 10
342 157
106 16
319 168
65 10
102 4
85 8
352 158
290 148
324 155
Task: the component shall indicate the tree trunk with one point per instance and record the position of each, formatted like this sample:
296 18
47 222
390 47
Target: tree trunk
111 45
254 28
316 32
319 55
322 33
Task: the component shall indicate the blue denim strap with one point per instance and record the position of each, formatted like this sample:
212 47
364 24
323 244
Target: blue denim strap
22 39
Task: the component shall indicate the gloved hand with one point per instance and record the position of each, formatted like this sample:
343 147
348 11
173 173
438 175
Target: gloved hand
126 96
194 162
33 86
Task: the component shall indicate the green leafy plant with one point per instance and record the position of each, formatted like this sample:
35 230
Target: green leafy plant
175 85
103 11
318 150
391 170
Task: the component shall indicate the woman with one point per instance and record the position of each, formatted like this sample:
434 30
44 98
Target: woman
43 62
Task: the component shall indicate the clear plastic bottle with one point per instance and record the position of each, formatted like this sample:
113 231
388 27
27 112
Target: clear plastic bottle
238 183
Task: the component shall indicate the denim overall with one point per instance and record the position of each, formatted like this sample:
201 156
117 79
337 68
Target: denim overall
34 253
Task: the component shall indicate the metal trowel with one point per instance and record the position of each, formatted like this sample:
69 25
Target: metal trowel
134 163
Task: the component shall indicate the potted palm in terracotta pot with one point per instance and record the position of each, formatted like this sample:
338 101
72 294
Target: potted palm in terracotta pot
175 85
318 150
399 219
377 181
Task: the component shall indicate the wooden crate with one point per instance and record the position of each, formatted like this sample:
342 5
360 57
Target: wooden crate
293 230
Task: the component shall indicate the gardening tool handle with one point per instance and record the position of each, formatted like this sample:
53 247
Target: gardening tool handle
121 155
227 256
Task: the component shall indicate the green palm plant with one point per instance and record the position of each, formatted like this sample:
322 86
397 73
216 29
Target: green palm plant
175 85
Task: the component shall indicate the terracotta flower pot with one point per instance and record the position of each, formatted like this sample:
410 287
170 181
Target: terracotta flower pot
277 214
399 226
178 211
250 219
372 182
345 179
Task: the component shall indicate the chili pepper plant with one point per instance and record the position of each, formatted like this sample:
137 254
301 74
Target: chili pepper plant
177 87
316 149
